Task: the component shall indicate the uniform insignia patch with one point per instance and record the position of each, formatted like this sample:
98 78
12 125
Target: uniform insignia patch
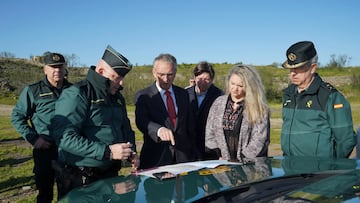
286 102
45 94
338 106
97 101
309 103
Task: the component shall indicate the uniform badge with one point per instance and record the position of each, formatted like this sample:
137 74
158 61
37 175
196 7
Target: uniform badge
309 103
338 106
292 57
287 102
56 57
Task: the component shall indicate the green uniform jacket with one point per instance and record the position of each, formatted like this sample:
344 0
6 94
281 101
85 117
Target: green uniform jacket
316 122
88 119
33 111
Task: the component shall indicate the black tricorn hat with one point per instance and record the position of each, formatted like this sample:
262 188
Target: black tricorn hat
299 54
53 59
117 61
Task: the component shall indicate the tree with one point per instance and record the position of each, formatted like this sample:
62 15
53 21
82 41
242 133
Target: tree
339 61
6 54
72 60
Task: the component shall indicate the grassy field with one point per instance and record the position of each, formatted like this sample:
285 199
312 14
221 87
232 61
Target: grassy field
17 183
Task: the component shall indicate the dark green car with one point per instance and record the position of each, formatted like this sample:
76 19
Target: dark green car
277 179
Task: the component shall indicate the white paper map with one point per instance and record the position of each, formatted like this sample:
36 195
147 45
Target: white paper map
176 169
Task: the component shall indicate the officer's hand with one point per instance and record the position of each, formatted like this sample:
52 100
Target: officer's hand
135 162
121 151
41 143
166 134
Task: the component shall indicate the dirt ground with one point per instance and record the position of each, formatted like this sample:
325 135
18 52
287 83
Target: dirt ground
5 110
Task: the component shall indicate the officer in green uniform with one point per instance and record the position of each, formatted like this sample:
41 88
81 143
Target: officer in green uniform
91 126
31 118
317 118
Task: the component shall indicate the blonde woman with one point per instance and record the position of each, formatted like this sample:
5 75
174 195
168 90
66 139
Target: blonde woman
238 124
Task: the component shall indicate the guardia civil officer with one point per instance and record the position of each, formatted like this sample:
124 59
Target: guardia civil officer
36 104
91 126
316 117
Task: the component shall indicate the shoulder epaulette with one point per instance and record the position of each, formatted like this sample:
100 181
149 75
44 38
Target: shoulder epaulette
329 86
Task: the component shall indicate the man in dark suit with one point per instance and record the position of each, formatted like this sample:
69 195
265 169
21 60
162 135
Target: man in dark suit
167 127
201 96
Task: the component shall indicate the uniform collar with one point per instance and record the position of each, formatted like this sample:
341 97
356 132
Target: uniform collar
101 83
314 86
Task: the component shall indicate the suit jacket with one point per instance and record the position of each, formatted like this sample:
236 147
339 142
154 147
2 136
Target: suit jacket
150 115
201 114
254 139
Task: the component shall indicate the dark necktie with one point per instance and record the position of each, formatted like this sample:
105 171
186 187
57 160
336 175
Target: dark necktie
171 107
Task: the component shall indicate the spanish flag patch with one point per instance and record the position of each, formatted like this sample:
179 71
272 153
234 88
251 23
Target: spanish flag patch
338 106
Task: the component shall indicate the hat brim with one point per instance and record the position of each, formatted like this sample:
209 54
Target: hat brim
121 70
288 66
54 64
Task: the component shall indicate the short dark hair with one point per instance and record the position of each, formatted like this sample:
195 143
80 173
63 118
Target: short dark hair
204 67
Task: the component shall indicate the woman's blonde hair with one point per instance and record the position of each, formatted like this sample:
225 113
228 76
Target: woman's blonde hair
256 106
